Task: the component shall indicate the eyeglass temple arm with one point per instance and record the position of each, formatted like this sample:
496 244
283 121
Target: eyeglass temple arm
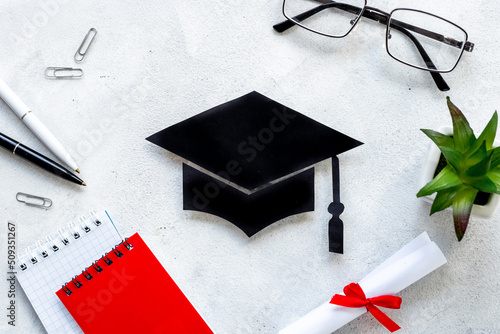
469 47
383 19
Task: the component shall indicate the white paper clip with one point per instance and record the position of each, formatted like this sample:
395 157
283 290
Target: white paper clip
32 200
85 46
63 73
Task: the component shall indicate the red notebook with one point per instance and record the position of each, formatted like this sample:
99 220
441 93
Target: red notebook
129 291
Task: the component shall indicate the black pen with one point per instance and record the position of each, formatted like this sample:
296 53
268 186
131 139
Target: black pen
38 159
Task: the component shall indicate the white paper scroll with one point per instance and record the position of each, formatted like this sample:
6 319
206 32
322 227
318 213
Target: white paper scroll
412 262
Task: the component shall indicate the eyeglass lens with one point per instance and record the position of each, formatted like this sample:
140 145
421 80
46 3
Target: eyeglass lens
332 18
442 41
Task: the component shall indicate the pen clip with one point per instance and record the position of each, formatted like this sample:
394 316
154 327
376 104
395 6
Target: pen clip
32 200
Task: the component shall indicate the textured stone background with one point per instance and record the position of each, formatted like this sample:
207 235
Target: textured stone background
156 63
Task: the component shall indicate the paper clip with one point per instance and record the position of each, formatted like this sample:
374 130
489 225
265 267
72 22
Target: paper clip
85 46
36 201
63 73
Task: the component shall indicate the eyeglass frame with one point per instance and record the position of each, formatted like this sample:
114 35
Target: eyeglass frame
385 18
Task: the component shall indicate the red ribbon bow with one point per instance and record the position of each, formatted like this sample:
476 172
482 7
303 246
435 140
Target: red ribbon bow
355 297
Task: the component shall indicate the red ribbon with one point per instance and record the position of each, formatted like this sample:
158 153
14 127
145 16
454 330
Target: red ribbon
355 297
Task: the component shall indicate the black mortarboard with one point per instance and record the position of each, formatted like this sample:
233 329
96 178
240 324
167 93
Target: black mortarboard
254 161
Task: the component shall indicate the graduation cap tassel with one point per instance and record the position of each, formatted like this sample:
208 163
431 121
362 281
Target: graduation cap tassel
336 226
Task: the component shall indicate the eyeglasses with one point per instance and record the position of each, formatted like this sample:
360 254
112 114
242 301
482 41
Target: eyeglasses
413 37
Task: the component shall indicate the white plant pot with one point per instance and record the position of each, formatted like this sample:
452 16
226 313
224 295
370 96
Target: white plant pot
427 174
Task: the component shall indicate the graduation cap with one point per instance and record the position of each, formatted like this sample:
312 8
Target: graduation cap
253 163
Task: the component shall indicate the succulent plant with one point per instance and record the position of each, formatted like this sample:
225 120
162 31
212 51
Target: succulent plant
473 165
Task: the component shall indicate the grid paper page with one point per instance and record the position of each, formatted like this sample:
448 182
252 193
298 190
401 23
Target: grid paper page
41 280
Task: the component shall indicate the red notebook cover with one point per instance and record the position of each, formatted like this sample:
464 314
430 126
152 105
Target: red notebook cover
133 294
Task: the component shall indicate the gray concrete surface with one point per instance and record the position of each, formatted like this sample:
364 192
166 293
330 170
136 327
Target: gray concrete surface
156 63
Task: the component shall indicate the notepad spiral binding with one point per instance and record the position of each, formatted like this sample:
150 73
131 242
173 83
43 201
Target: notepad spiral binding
97 267
41 250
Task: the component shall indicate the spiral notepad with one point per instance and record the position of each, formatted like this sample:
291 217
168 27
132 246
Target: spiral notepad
45 267
128 291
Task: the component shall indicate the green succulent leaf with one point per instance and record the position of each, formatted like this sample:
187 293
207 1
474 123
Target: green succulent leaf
462 207
480 153
439 138
484 184
447 178
462 133
495 160
488 134
444 198
494 176
482 167
454 157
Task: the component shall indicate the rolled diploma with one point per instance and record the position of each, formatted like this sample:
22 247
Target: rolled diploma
412 262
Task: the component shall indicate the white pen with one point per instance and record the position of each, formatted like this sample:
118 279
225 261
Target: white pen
35 125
